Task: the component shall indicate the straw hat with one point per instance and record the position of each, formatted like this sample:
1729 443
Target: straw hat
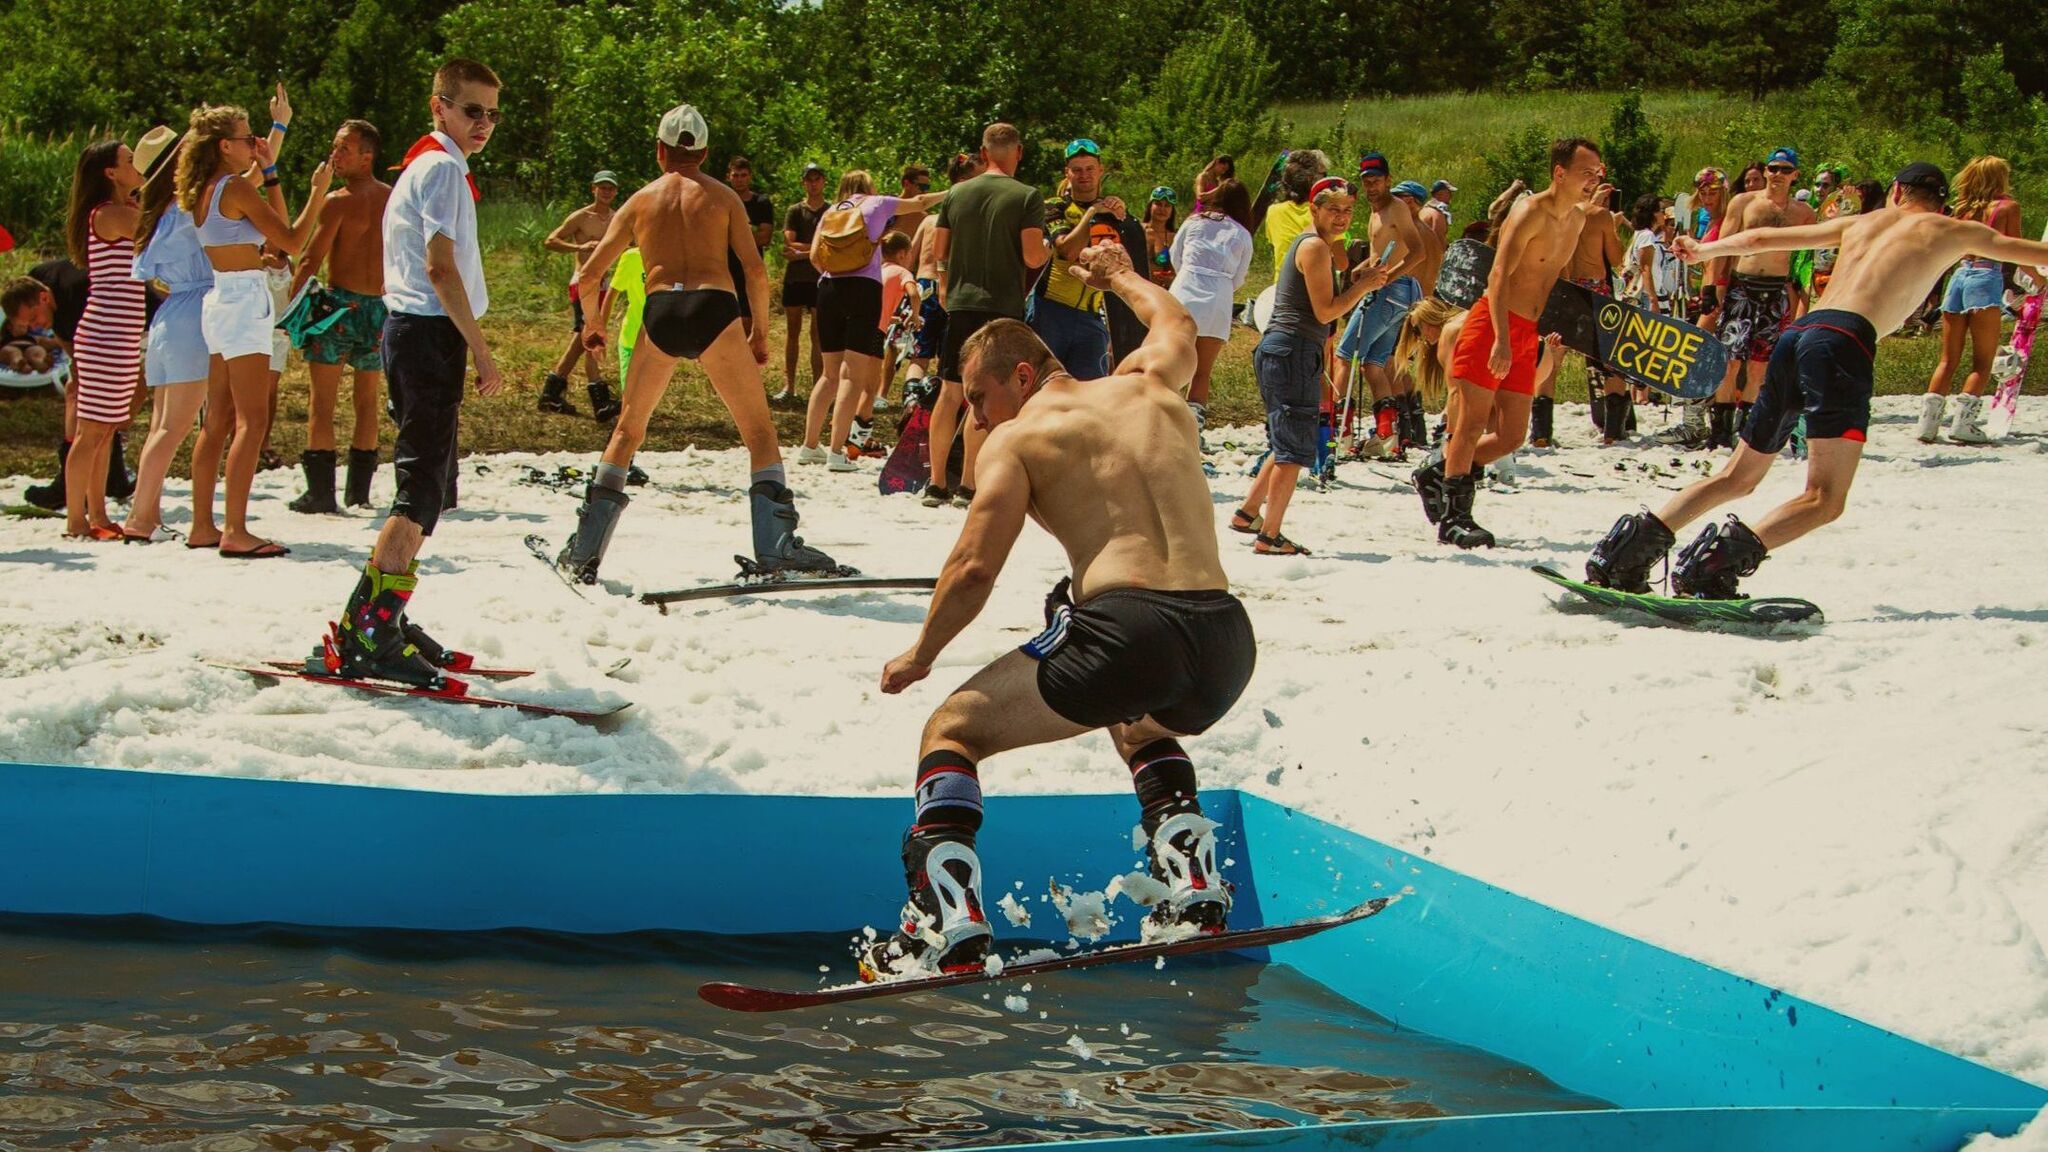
153 151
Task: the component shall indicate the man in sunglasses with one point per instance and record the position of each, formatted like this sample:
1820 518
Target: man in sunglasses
1065 312
917 180
1756 295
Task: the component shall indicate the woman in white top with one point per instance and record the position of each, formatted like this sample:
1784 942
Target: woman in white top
1212 255
1653 270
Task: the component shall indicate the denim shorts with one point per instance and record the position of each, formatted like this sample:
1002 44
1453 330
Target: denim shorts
1973 287
1376 328
1289 367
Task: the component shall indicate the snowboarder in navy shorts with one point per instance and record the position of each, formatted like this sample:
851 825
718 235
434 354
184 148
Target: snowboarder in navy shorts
1151 645
1822 369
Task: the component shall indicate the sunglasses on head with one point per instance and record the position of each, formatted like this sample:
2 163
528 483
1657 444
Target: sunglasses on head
476 112
1083 146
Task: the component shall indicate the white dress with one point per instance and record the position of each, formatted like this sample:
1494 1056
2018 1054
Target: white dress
1212 256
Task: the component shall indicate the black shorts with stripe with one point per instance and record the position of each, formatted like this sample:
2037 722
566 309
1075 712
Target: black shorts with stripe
1181 658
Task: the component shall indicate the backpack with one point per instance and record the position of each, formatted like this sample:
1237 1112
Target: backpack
841 245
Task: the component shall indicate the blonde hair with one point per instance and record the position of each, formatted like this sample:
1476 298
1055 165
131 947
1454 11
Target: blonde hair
200 154
1982 182
1416 352
855 183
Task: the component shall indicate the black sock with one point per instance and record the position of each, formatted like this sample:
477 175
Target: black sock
1542 417
1164 778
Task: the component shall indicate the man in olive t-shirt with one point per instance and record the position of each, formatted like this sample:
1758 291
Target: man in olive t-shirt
987 242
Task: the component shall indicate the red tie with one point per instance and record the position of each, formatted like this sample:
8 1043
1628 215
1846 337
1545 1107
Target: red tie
432 143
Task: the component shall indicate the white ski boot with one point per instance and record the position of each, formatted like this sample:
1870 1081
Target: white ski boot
1968 427
1933 407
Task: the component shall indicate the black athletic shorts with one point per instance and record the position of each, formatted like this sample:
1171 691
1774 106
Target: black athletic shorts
850 315
799 291
1182 658
959 326
1821 369
683 322
425 362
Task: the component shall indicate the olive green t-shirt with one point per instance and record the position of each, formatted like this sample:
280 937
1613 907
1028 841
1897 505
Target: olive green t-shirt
986 217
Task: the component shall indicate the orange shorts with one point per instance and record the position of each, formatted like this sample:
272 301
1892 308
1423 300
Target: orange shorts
1475 347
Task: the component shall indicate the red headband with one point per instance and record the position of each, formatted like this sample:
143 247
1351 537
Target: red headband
1327 183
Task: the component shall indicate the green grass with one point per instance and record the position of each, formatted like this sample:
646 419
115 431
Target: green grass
1427 138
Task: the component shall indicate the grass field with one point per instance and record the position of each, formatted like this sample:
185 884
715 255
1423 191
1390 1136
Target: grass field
1428 137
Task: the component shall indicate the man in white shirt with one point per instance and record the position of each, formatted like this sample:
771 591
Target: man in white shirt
434 293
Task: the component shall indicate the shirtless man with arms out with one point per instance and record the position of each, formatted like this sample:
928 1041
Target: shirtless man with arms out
1374 328
1822 368
1598 253
577 235
1152 646
1756 297
350 243
684 224
1493 375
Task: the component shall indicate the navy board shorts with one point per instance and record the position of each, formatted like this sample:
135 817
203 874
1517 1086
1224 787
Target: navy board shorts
1289 367
1821 369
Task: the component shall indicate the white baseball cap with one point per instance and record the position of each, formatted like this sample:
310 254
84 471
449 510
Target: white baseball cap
683 127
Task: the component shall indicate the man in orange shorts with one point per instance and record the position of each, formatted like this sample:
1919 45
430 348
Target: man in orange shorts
1493 366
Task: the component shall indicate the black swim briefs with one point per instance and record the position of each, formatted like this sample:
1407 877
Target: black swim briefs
683 322
1182 658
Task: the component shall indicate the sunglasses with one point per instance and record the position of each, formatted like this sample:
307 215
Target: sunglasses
921 185
1084 145
1779 169
476 112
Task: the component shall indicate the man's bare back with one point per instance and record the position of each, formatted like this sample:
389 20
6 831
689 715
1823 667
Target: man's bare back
923 257
1758 210
355 252
1116 477
684 225
1598 251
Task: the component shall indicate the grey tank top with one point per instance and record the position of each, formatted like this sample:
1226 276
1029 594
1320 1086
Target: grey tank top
1292 311
218 231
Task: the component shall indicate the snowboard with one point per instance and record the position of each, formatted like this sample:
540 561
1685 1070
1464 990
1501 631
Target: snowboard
2010 370
908 468
1461 278
744 998
1643 347
1270 190
1765 610
456 691
31 512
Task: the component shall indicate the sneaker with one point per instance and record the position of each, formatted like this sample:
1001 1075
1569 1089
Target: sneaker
810 455
937 497
962 497
842 462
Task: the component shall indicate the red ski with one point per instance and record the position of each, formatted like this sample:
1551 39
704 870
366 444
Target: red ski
741 998
465 664
455 692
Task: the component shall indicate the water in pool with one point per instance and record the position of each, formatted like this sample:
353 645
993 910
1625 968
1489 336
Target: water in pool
135 1034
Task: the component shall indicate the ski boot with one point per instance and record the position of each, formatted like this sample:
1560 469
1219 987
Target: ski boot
1933 407
1709 566
1429 484
595 521
1457 526
1721 427
1622 558
120 481
50 497
554 395
319 494
1542 422
943 928
362 468
604 407
1414 424
778 550
1180 851
370 641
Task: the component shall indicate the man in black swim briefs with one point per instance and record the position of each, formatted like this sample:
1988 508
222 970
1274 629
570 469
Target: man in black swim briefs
1151 645
685 224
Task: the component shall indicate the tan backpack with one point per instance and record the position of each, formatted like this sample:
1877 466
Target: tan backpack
841 245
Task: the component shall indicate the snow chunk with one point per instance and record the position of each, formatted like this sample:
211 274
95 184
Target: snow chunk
1018 915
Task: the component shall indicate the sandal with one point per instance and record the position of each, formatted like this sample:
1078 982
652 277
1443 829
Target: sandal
1250 525
267 550
97 533
1277 545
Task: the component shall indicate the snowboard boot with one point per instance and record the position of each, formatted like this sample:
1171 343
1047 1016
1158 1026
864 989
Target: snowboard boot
603 407
1429 484
1691 430
1721 427
595 521
1542 421
1180 850
943 927
370 641
1968 425
362 468
1933 407
554 395
1457 527
120 481
1622 558
1414 424
1614 411
777 547
319 495
1720 555
50 497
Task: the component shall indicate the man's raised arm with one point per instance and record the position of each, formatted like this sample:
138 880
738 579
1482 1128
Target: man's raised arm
1749 242
1168 353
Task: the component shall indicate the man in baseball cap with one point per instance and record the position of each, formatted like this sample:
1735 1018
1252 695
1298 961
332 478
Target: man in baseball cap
683 127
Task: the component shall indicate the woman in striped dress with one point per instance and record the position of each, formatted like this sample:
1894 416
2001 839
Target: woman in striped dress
107 351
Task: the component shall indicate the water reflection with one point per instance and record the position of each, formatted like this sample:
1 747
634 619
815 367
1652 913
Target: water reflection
139 1034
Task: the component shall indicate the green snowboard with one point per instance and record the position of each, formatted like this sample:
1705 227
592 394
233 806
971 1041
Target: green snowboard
1685 610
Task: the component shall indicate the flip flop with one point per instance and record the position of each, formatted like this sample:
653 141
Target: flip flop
1265 545
1249 525
156 535
268 550
96 534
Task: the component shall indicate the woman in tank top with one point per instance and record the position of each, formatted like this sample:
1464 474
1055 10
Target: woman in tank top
107 350
1972 306
236 211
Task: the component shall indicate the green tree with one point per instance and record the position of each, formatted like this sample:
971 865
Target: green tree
1524 156
1212 96
1637 157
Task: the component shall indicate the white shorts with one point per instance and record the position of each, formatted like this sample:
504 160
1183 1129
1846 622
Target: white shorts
238 316
280 345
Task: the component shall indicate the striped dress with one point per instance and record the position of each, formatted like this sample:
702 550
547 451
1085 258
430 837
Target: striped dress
107 351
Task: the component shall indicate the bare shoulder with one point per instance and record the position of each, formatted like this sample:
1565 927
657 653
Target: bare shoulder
1802 213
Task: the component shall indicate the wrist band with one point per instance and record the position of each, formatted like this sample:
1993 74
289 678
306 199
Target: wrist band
270 172
280 126
271 181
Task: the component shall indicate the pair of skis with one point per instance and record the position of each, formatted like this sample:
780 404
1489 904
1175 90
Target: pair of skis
752 580
318 669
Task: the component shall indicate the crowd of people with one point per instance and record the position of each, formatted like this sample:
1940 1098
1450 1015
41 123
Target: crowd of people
1067 342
